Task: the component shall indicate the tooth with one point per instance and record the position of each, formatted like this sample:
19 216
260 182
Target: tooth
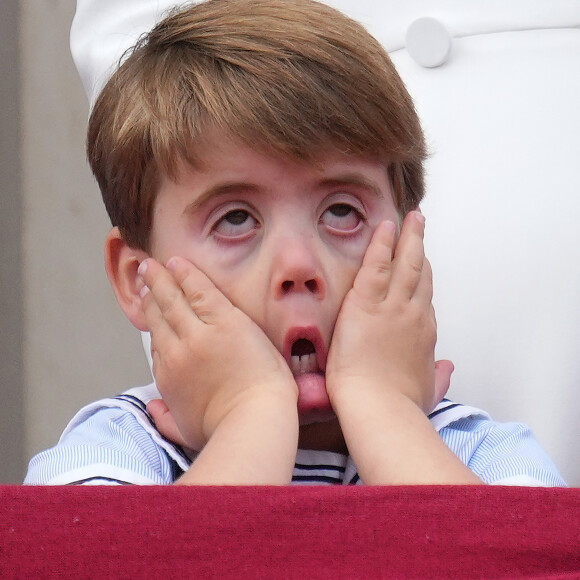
295 364
306 363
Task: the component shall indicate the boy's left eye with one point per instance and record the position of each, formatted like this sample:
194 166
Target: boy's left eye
342 217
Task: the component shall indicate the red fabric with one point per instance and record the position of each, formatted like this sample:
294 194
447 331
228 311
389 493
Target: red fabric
290 532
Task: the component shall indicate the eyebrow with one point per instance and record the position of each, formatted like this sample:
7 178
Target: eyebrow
353 179
219 190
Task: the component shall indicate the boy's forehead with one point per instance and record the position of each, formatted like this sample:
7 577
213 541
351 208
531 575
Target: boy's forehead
254 171
219 150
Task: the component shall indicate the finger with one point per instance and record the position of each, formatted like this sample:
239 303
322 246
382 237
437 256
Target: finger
443 371
200 292
168 297
424 292
409 259
372 280
165 422
158 327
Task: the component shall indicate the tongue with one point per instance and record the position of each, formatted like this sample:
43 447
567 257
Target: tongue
312 395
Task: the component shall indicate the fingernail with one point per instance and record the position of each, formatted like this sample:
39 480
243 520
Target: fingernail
171 264
420 217
390 226
144 291
142 268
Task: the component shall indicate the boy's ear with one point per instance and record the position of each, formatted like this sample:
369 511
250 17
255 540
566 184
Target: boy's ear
121 263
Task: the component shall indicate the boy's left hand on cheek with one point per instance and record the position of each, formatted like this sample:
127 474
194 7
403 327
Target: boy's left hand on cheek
385 334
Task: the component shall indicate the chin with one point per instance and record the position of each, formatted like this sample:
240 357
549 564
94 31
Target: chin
316 416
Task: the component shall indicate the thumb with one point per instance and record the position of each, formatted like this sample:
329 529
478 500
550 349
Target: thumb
165 422
443 371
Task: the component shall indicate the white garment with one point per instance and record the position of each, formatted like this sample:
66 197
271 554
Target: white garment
115 441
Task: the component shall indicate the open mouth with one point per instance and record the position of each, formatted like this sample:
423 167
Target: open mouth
303 357
305 352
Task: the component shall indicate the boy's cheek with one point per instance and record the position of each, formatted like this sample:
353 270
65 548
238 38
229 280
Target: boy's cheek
350 251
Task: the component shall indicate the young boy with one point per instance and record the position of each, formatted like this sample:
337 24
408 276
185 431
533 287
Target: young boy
260 160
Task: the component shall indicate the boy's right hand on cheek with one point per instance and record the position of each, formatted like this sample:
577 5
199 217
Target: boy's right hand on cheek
209 358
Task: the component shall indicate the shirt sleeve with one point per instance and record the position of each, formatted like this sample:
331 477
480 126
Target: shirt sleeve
501 453
108 448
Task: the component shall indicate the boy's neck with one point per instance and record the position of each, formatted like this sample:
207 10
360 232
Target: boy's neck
322 437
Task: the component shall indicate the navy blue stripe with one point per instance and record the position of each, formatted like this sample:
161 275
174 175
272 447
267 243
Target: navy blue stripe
439 411
324 478
354 480
338 468
134 401
176 471
178 449
99 478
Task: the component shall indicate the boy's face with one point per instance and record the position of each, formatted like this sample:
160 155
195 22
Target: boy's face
282 240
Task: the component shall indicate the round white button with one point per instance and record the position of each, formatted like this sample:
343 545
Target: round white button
429 42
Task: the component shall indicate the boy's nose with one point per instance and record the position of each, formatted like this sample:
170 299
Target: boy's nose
296 268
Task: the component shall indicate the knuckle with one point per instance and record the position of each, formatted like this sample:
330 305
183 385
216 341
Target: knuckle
416 267
382 267
169 305
197 298
200 302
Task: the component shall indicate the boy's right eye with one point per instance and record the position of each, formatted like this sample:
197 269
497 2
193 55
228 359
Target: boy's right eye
236 223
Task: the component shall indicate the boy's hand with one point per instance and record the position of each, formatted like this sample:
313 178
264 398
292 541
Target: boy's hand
385 333
381 375
209 358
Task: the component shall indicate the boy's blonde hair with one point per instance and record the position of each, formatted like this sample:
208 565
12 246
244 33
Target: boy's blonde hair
295 77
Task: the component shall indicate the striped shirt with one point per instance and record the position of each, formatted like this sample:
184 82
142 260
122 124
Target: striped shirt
114 441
